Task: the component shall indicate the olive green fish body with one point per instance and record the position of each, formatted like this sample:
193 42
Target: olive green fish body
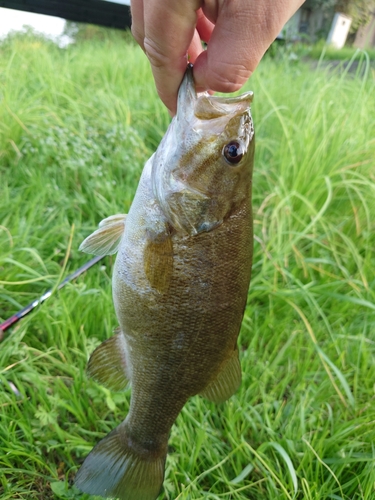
178 339
179 287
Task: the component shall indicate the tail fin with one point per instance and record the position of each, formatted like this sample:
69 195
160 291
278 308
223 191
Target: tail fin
113 469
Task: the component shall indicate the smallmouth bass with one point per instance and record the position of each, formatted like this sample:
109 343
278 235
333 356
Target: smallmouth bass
180 282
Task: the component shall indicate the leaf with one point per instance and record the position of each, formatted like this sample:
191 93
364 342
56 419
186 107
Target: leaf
245 472
287 460
339 375
59 488
348 298
62 490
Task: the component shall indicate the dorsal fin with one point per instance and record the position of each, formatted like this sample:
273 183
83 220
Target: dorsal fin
106 239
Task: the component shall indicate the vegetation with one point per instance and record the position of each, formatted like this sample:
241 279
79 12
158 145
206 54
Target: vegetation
359 10
346 54
76 127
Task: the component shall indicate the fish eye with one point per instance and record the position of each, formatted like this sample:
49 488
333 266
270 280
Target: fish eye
233 152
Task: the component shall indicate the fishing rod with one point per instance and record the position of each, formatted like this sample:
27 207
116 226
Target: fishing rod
26 310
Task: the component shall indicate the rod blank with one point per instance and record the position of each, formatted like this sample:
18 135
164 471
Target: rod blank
26 310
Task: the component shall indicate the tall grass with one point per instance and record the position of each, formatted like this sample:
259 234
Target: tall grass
76 127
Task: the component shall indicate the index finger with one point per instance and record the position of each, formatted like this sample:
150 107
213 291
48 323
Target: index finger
168 33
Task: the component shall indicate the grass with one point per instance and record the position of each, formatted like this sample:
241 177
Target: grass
76 127
344 54
348 58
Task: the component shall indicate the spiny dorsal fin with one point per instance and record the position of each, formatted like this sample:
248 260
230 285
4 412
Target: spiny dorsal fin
107 364
106 239
158 261
226 383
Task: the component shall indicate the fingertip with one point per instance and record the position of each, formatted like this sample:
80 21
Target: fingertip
204 26
170 102
168 93
167 81
217 77
199 72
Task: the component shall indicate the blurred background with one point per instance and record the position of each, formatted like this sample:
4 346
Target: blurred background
338 22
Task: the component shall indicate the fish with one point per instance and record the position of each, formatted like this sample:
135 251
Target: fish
180 285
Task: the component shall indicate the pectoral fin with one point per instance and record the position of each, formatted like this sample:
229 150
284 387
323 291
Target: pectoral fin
227 381
106 239
107 364
158 261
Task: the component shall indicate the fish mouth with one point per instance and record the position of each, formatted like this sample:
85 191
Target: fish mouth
204 106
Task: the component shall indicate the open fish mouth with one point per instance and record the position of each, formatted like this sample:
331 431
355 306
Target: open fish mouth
205 106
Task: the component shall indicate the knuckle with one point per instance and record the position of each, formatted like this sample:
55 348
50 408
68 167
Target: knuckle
137 34
154 53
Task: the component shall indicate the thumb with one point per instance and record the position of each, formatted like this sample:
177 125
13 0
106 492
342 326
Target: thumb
243 32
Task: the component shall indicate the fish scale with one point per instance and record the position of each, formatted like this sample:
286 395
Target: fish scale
180 286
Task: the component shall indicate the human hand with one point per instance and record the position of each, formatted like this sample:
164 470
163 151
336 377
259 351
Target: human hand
238 33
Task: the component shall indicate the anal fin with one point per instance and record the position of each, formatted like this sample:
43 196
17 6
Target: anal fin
227 381
107 364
